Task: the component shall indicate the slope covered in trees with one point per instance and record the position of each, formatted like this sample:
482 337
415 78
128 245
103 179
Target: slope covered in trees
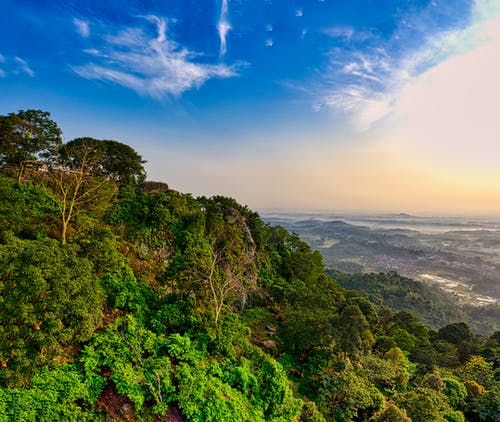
428 302
156 305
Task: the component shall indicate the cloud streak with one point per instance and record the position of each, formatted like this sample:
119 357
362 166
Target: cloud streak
360 86
151 65
366 77
24 66
15 66
82 27
223 27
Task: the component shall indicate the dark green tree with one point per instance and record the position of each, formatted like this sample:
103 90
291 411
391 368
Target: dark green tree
461 336
27 135
455 391
105 158
343 395
309 311
50 299
388 374
424 405
391 414
353 332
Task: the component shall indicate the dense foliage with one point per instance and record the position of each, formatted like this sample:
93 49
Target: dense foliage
160 306
428 302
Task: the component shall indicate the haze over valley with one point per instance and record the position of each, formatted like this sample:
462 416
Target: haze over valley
460 255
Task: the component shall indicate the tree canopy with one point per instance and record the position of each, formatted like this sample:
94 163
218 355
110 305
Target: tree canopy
121 300
28 135
104 158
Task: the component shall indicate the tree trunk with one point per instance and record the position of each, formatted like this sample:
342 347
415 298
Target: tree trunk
64 231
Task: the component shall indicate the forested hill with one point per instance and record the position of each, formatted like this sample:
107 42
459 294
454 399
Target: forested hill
124 300
429 303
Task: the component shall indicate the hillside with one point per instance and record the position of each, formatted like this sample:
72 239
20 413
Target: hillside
449 264
125 300
460 254
427 302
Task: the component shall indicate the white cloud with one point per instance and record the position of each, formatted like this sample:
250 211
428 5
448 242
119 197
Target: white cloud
348 33
24 66
92 51
299 13
340 32
372 68
369 86
223 27
15 66
153 66
82 27
363 105
359 87
451 109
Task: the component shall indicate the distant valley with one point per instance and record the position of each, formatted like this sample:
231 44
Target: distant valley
460 255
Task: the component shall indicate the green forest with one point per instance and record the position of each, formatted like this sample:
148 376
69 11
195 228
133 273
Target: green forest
122 299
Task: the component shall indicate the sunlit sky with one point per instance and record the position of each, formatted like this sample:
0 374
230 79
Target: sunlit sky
348 105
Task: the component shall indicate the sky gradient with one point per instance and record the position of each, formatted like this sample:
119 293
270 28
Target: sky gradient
344 105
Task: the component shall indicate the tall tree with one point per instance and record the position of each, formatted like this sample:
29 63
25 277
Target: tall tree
105 158
219 264
85 172
73 183
27 135
353 331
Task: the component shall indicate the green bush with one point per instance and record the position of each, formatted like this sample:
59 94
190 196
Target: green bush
50 299
454 416
57 395
136 360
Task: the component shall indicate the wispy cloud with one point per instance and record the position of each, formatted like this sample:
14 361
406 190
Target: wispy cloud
368 106
347 33
359 85
24 66
223 27
82 27
150 65
340 32
366 82
14 66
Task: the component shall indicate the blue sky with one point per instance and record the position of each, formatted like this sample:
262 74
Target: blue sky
327 104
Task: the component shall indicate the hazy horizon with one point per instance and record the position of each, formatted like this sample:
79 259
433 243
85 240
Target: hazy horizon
345 105
370 213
